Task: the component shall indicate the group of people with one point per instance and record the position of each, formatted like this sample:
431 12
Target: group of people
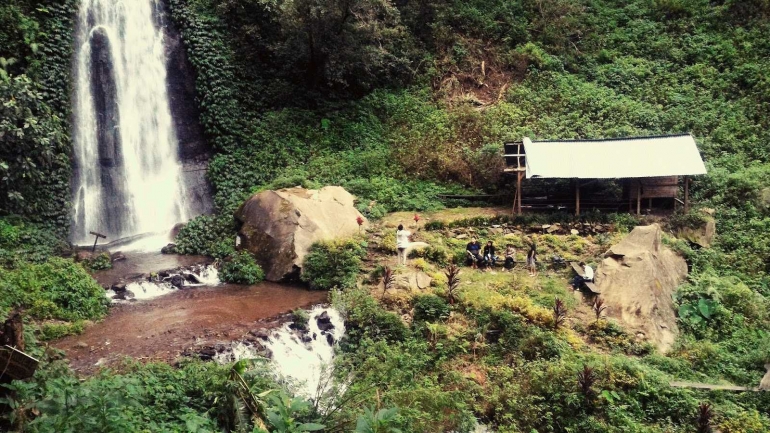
486 258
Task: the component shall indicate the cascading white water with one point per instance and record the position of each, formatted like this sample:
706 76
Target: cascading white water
303 366
128 174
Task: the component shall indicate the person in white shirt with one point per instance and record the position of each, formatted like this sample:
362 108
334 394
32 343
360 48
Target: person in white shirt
588 275
402 243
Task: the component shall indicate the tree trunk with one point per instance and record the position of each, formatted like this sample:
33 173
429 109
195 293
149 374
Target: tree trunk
12 331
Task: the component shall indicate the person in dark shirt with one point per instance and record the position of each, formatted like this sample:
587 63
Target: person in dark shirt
473 249
510 257
489 254
532 260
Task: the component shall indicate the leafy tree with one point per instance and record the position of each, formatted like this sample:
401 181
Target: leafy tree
32 144
344 44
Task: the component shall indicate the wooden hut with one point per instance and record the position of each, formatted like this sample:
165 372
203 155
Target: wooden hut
649 166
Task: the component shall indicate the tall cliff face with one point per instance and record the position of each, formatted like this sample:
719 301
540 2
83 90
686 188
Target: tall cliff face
194 150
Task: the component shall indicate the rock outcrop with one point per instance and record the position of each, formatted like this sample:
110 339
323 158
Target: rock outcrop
637 279
704 233
279 227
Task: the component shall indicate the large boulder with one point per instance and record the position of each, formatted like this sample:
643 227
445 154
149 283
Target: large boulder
280 226
637 279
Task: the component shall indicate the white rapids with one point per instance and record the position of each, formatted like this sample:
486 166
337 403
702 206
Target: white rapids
207 276
303 366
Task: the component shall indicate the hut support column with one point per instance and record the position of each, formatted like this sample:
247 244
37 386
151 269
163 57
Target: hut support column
577 197
638 197
686 194
517 205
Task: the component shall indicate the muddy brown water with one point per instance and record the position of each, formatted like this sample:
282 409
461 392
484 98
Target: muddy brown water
161 329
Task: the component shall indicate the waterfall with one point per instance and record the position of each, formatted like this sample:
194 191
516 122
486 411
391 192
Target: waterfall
128 176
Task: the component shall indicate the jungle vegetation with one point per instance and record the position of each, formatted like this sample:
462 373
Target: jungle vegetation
400 101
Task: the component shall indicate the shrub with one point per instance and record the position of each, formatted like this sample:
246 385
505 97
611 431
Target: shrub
241 268
609 334
53 331
435 225
207 235
57 289
430 308
437 254
333 264
98 262
301 318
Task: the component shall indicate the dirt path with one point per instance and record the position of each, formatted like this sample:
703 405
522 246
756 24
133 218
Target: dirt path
161 329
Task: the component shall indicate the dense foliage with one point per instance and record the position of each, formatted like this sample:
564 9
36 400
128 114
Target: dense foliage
241 268
333 264
35 169
401 102
56 289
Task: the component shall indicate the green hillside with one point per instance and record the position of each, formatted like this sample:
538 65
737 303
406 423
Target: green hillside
399 102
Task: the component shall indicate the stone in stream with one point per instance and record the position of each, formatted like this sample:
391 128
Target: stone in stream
118 257
192 278
330 339
168 249
324 322
177 281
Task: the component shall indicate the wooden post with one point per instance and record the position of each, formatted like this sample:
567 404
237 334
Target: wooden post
686 194
96 239
519 175
577 196
638 197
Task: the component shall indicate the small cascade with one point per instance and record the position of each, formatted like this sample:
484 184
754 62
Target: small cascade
197 276
300 358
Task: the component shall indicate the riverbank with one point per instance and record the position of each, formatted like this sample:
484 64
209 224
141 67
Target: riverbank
163 328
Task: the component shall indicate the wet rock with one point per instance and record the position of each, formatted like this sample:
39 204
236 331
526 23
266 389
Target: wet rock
119 287
177 281
330 339
175 231
260 334
305 338
168 249
117 257
192 278
207 353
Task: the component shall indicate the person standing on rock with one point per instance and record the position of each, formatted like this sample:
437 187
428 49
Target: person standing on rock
402 243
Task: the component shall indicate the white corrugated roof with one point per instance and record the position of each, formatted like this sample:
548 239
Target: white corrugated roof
675 155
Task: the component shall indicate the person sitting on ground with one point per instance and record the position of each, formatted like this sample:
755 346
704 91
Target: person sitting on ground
532 260
510 257
588 276
473 249
489 254
402 243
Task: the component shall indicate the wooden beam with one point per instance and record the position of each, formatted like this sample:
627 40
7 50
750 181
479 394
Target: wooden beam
577 196
686 194
638 197
518 192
